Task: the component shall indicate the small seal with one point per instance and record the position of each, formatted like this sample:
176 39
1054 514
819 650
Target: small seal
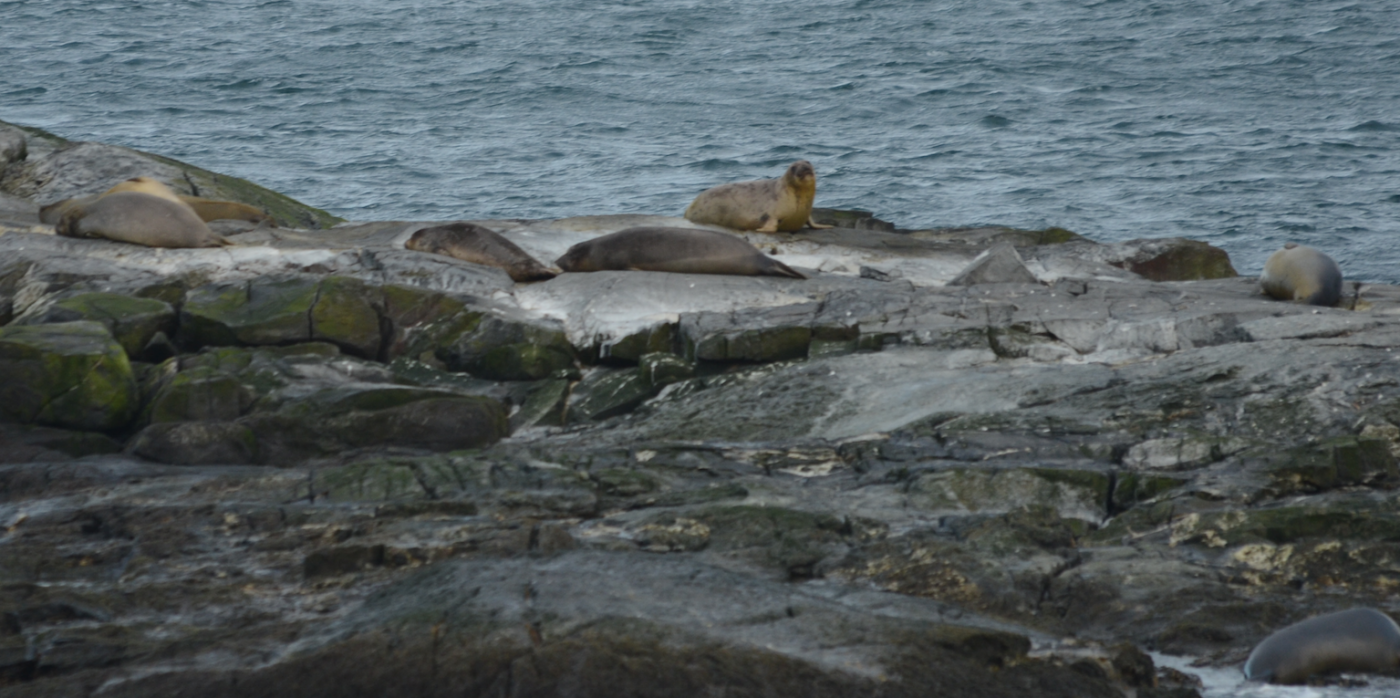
680 250
479 245
1299 273
138 218
765 205
1360 639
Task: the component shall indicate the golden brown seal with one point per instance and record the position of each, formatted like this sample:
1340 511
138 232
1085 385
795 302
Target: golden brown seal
1359 639
1298 273
479 245
681 250
765 205
139 218
206 209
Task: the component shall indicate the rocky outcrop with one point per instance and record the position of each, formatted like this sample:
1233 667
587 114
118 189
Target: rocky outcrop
960 461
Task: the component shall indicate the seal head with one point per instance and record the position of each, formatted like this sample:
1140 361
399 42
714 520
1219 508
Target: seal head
765 205
1303 274
680 250
1359 639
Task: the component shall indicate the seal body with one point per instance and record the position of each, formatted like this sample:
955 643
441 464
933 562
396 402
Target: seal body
681 250
138 218
765 205
479 245
1359 639
1299 273
206 209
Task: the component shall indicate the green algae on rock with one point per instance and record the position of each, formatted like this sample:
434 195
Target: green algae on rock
72 375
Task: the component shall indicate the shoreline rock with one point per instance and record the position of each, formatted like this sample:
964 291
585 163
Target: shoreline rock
921 485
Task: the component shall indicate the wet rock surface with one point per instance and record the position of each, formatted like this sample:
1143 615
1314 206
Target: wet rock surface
317 463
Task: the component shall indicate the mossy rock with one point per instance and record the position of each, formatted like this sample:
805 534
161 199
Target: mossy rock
606 394
1180 259
544 405
662 369
71 375
413 312
789 539
1288 524
625 482
201 393
197 443
499 349
262 311
1081 494
134 322
1336 462
630 349
756 345
1132 488
346 313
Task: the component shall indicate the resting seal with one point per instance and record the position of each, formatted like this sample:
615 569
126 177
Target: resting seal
473 243
1360 639
1298 273
138 218
681 250
765 205
206 209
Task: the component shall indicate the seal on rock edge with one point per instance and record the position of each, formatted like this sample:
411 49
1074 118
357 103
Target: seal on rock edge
139 218
473 243
1299 273
680 250
765 205
1359 639
206 209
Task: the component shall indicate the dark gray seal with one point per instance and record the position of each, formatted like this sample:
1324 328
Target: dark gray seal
479 245
1360 639
140 219
680 250
1298 273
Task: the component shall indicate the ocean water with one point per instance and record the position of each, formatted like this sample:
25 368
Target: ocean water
1240 122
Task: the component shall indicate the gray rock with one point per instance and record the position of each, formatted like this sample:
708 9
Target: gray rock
998 265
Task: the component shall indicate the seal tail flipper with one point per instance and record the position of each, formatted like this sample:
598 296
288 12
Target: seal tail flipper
780 269
818 226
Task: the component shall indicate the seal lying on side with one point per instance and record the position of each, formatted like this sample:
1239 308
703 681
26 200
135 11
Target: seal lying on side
1360 639
473 243
206 209
681 250
1298 273
765 205
138 218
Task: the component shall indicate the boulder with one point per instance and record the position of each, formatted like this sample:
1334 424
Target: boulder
71 375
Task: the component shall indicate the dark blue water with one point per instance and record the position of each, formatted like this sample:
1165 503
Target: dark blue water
1243 123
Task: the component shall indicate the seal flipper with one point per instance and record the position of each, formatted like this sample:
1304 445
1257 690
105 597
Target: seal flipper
780 269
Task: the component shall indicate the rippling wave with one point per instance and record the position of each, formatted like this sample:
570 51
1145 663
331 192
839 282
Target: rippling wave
1245 123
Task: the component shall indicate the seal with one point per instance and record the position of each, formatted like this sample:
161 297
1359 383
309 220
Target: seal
765 205
1299 273
138 218
680 250
473 243
206 209
1359 639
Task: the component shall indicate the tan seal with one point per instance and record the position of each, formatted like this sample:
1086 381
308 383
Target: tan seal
766 205
477 244
1359 639
138 218
206 209
1299 273
681 250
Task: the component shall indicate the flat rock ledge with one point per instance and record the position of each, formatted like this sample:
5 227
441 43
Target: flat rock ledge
954 461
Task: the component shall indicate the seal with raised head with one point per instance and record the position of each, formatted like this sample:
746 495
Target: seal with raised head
1359 639
681 250
477 244
138 218
766 205
1299 273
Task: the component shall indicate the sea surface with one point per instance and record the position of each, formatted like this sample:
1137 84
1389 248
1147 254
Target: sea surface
1240 122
